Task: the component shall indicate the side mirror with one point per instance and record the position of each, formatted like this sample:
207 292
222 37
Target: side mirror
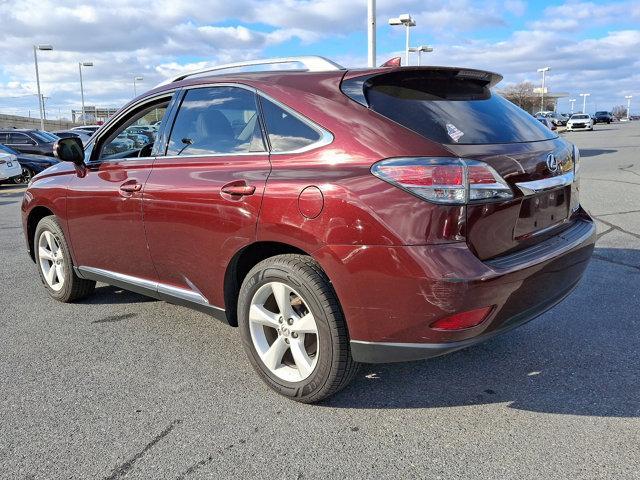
69 149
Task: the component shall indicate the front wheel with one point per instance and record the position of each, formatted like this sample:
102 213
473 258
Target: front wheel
55 265
293 329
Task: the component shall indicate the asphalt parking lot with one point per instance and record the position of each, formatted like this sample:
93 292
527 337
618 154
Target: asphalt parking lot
122 386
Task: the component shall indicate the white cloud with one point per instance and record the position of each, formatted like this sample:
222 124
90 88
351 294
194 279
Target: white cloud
126 38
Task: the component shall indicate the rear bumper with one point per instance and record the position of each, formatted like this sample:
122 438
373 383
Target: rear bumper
383 352
391 295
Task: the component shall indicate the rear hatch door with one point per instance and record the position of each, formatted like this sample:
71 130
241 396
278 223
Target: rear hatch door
458 109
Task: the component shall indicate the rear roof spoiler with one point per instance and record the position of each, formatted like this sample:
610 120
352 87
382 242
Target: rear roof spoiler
353 83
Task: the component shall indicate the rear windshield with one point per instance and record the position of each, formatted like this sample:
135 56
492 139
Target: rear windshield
448 109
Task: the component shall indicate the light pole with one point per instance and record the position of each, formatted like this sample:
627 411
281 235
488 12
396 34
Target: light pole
544 71
35 59
420 49
136 79
408 22
628 97
80 65
371 32
584 101
573 101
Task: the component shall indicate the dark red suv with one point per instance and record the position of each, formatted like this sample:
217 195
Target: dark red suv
336 216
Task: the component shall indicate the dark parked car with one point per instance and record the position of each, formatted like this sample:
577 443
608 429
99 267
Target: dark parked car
38 142
602 117
335 216
31 164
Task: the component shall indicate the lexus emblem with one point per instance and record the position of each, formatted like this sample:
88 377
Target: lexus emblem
552 163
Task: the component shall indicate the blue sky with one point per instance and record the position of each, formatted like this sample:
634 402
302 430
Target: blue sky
590 46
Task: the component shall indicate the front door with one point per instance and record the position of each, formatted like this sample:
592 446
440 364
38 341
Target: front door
202 200
104 207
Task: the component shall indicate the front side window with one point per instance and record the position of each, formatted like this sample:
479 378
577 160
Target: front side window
135 136
216 120
286 132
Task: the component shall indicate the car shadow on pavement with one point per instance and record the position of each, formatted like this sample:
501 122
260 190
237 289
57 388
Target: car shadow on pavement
580 358
109 295
594 152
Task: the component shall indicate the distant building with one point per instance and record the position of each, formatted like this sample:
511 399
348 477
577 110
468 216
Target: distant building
93 114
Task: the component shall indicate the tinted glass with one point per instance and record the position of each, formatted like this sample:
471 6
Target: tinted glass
127 140
448 109
286 132
579 117
216 120
20 139
45 136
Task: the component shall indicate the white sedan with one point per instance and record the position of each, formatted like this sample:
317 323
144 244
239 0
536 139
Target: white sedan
10 169
580 121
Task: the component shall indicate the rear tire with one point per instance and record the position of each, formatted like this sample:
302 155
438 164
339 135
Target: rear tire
293 329
54 263
25 177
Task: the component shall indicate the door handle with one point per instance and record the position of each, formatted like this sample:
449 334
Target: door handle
240 189
131 186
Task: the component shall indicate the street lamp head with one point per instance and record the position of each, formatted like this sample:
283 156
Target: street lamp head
45 46
421 48
87 64
138 79
628 96
404 19
545 69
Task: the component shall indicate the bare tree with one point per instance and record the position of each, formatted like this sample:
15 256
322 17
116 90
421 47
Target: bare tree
619 111
522 94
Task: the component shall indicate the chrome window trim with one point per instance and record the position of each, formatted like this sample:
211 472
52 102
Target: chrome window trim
537 186
208 155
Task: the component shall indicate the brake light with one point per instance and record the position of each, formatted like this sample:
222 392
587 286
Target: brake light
460 321
444 179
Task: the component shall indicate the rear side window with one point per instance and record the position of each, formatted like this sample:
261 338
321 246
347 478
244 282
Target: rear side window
286 132
20 139
216 120
449 109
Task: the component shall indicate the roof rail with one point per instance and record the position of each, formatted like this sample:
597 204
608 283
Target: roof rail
311 63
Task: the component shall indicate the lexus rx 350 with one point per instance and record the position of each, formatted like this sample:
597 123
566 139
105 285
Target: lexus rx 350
335 216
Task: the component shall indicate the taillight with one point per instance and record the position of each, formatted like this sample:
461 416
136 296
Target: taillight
444 179
463 320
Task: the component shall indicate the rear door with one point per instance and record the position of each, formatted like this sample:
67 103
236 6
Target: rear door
202 199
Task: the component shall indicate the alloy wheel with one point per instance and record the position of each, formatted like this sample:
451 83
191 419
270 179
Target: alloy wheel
51 260
284 332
